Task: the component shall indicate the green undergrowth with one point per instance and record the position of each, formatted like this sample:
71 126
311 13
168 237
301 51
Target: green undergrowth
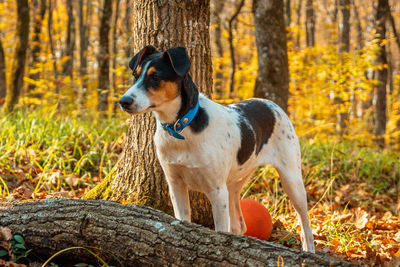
53 149
344 172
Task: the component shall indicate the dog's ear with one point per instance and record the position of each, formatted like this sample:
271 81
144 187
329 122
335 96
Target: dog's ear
138 58
179 60
189 94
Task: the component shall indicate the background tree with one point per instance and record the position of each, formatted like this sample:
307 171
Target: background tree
139 177
3 81
273 76
70 40
382 14
83 21
103 90
218 29
310 23
344 50
39 11
231 47
18 68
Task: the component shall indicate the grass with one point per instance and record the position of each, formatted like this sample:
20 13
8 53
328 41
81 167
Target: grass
55 151
346 181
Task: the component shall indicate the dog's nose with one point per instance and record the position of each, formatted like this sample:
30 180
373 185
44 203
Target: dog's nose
126 101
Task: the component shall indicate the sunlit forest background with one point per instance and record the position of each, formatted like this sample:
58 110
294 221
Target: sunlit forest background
58 139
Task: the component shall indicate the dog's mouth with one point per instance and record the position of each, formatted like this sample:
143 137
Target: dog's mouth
135 112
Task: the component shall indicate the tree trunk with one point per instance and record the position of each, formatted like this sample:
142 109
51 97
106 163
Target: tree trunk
128 40
139 236
3 80
139 177
219 74
344 49
114 56
273 74
18 69
37 29
103 87
382 73
231 47
298 10
52 50
310 24
288 13
70 45
83 46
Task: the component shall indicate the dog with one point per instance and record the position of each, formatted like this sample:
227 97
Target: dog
212 148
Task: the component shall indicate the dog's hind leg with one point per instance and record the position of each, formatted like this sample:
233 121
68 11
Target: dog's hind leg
219 198
238 226
293 186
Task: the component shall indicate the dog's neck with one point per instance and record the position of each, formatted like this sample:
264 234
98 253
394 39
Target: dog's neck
168 112
171 111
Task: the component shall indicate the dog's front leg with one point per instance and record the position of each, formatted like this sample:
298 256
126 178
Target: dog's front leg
179 195
219 199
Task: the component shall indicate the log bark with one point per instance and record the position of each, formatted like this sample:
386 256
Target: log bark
140 236
139 177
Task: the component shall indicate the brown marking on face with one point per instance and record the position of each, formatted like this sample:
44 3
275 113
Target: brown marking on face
165 92
151 70
138 70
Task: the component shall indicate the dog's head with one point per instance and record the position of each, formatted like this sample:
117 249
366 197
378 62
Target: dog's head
160 77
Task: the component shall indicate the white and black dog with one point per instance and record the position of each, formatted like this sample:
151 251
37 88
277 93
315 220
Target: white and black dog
212 148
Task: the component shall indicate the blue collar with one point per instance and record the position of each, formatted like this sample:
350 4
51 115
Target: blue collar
174 129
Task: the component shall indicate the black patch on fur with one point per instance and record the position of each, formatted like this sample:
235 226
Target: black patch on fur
258 130
200 122
247 142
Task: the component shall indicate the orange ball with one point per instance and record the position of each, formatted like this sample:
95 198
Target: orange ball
257 219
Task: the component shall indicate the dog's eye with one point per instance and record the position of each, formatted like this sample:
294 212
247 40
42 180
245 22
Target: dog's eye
154 77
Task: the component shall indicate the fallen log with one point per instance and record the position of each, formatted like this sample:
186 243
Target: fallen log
139 236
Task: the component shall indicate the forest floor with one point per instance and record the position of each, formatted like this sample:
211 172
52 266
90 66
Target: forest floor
353 189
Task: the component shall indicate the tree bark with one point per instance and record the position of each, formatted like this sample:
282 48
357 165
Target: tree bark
83 46
219 74
288 12
52 50
344 48
3 80
114 56
382 73
18 69
37 29
298 11
70 44
273 74
139 177
310 24
103 87
140 236
231 47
